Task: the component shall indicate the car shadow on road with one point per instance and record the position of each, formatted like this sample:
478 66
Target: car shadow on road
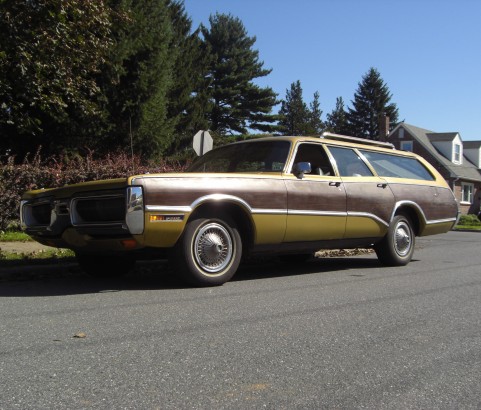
157 275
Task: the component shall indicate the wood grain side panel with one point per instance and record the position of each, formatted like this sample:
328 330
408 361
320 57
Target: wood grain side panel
260 193
369 195
437 203
311 194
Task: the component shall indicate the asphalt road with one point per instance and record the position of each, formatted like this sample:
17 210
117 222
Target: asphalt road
334 333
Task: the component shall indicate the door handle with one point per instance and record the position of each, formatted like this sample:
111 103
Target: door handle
334 183
382 185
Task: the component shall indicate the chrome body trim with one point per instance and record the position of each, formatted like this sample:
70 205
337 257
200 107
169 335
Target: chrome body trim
134 217
316 213
369 215
440 221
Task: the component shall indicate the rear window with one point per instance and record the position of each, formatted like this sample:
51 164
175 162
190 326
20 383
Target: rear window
252 156
395 166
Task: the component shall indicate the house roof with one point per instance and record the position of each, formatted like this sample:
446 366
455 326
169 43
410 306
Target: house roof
467 170
442 136
472 144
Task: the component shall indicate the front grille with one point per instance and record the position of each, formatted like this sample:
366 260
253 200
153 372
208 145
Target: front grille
41 214
99 210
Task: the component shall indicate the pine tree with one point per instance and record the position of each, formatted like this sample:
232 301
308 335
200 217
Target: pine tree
296 118
186 101
235 102
315 124
371 102
337 119
137 80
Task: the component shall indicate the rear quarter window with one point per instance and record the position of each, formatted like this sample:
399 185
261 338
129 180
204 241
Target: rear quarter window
395 166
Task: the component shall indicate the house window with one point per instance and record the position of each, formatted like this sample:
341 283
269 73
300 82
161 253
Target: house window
467 193
407 146
457 153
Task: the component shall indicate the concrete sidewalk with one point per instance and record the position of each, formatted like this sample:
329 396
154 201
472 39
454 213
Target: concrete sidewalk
23 247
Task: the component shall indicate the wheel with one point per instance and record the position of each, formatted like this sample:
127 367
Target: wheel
102 266
397 247
209 251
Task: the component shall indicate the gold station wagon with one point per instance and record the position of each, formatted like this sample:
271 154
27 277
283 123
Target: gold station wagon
285 195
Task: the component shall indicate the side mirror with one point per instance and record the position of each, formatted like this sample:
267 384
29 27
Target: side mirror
301 168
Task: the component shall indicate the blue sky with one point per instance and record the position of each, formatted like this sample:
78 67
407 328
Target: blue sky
427 51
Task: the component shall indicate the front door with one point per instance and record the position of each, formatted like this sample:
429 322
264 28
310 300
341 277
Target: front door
316 202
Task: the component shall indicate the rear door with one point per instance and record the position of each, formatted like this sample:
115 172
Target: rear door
370 201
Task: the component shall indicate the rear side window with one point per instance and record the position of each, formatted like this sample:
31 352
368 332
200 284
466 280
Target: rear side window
395 166
349 164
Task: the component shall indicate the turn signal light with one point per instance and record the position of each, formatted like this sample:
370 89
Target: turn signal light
129 243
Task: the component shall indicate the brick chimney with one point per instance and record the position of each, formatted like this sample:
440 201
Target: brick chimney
383 127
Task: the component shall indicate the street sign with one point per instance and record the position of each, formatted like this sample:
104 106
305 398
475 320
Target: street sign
202 143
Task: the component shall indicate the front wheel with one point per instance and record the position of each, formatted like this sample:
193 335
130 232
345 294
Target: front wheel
209 251
397 247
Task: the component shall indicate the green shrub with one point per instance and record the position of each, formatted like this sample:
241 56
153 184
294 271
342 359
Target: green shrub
35 173
469 220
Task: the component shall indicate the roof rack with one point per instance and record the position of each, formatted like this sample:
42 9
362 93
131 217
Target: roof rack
365 141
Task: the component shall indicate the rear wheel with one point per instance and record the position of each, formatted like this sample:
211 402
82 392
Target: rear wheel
102 266
397 247
209 251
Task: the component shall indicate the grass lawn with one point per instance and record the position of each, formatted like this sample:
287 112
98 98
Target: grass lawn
469 227
14 236
33 258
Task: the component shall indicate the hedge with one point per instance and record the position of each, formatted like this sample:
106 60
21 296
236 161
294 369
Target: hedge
52 172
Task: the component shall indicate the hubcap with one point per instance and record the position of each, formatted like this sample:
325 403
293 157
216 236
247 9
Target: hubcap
213 248
402 239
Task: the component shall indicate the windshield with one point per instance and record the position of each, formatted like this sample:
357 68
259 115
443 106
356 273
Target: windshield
262 156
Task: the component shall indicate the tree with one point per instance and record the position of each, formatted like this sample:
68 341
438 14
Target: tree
294 114
235 102
337 119
295 117
138 78
315 124
50 55
371 102
186 97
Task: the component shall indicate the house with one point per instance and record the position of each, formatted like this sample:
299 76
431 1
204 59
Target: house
458 162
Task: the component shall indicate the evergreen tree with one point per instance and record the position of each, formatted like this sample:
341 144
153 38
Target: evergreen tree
294 114
337 119
235 102
315 124
50 55
139 77
371 102
186 99
296 118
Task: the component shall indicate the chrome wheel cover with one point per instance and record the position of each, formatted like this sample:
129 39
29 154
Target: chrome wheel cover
213 248
402 239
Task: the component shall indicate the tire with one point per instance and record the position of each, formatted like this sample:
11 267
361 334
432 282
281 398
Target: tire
101 266
397 247
209 251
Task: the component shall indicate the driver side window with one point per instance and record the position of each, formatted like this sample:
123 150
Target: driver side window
316 156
